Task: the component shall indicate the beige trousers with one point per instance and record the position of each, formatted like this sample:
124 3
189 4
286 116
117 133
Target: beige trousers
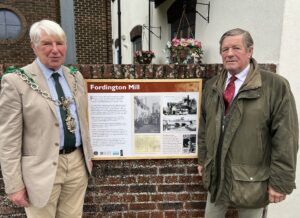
218 211
67 197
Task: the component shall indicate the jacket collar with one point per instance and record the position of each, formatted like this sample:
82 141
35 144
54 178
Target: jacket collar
36 72
253 79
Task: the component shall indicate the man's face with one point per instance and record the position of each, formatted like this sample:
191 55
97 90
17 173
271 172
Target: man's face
51 51
235 56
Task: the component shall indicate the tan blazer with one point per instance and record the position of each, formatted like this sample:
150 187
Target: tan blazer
29 134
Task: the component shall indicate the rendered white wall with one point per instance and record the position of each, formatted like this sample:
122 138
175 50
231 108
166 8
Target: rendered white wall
136 12
133 12
289 65
262 18
159 16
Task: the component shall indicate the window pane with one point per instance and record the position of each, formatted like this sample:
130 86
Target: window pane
2 20
2 31
137 44
12 19
10 24
12 31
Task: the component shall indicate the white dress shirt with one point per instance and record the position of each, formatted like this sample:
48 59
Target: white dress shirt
239 81
68 94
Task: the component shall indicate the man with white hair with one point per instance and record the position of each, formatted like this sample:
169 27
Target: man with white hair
45 149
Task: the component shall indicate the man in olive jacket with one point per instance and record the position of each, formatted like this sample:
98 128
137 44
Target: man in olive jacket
248 135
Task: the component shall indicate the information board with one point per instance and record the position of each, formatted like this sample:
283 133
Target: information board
144 119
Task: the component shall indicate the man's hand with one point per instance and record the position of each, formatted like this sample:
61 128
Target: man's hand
200 169
19 198
91 164
274 196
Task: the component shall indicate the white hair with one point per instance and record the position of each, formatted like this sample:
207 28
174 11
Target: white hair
49 27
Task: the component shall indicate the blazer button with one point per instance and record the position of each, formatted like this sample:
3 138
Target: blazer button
56 124
56 144
54 163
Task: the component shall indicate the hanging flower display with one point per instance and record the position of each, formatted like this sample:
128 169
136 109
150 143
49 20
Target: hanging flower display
185 51
143 57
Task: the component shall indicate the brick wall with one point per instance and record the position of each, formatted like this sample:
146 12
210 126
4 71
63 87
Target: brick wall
19 51
92 25
169 188
93 31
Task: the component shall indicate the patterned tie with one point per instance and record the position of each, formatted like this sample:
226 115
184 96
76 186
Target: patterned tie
229 93
70 140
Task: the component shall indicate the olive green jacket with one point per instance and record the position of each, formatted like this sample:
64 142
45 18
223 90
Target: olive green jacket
255 145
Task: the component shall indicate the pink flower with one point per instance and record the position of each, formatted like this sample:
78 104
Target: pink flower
191 42
184 42
175 42
197 44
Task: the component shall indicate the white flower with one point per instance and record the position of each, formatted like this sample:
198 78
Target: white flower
169 44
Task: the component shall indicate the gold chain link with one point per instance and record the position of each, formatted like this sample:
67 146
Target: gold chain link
34 86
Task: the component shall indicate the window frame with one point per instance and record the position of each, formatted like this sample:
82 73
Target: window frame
23 24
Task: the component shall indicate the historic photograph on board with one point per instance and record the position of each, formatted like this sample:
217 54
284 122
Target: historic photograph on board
146 114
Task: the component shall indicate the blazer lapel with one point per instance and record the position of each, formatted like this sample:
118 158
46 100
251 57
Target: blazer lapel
70 80
39 78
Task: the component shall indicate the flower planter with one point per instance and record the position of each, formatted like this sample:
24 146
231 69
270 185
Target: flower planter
143 57
185 51
145 60
180 56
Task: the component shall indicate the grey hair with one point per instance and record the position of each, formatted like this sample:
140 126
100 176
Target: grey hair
50 27
247 38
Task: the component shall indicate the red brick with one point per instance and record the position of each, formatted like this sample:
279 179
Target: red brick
171 179
144 215
143 179
107 74
115 180
157 214
170 214
143 198
184 197
139 71
159 71
157 197
185 179
1 70
199 196
129 198
149 73
93 33
170 197
142 206
130 214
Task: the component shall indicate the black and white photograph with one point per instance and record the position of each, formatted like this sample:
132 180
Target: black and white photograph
189 143
147 114
179 123
180 105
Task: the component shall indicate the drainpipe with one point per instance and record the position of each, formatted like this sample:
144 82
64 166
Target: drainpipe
149 26
119 33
